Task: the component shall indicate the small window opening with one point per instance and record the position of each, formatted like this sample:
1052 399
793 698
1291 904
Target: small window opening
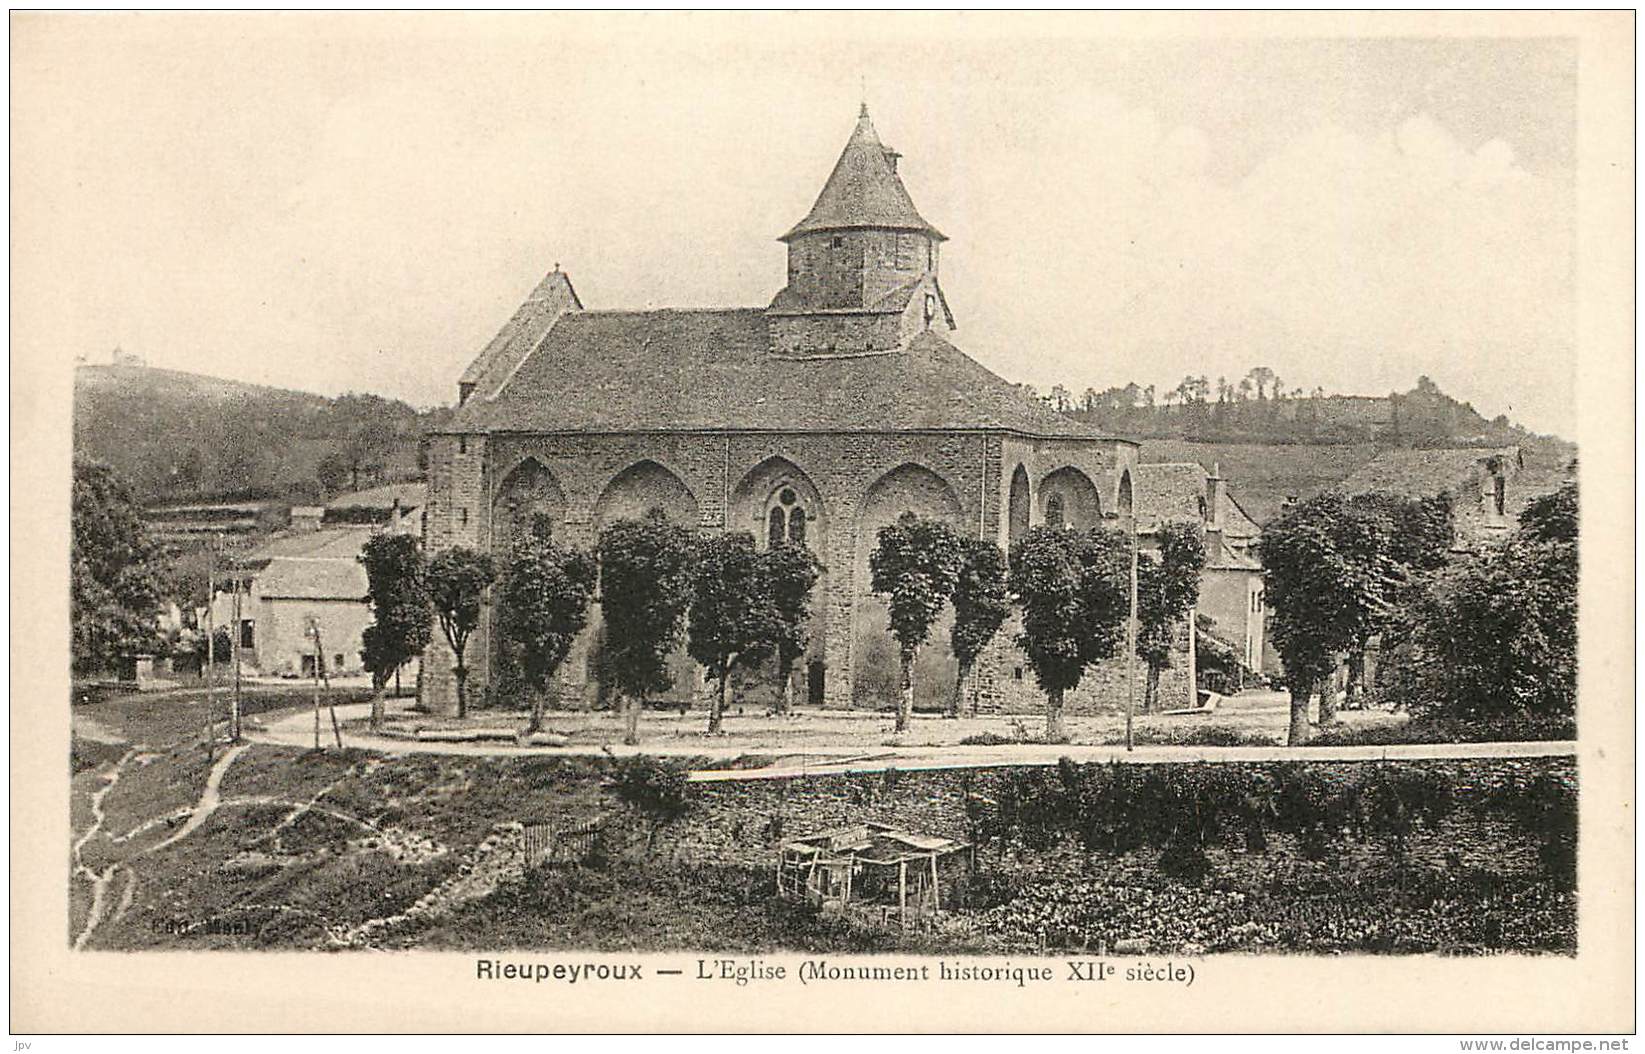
839 242
462 444
1016 674
463 516
1501 497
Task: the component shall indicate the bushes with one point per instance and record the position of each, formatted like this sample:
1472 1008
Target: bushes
1512 728
1182 810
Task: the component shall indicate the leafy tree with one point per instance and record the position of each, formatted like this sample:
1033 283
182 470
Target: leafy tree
1074 591
645 589
544 601
982 603
655 789
1167 590
915 565
1498 636
114 592
1326 571
402 621
791 573
733 613
457 579
1412 537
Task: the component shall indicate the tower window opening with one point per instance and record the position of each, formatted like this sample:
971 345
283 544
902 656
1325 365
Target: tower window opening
839 242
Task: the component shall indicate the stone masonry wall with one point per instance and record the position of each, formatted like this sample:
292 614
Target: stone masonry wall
466 474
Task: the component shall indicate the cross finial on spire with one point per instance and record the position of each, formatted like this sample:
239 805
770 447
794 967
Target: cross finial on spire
862 93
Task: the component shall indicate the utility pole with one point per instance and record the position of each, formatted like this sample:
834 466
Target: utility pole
319 674
211 653
1131 645
314 632
235 644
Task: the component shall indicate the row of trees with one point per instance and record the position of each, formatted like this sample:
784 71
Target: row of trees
1072 589
737 607
1494 635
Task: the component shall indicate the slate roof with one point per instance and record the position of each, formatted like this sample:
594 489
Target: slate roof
311 565
671 370
313 579
1168 493
1422 473
864 190
410 496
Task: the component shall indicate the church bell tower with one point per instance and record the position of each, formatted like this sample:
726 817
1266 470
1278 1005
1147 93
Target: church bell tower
862 265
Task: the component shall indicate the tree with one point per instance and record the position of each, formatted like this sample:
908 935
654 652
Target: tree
457 579
1167 590
544 602
114 592
402 620
1327 572
1074 591
645 590
915 565
1497 637
791 574
1260 376
1406 540
981 604
733 613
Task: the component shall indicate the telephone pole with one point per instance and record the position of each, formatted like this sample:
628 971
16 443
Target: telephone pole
234 647
211 653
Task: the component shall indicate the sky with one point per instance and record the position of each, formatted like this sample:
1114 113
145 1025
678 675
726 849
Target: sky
356 202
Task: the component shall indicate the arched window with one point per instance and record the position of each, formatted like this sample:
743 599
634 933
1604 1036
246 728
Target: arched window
1054 518
786 521
1501 495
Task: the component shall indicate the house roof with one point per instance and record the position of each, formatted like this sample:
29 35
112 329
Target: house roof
864 190
310 578
311 565
1169 492
672 370
1422 473
409 495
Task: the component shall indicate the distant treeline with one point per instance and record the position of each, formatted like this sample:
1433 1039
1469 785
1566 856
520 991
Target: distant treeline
179 437
1258 408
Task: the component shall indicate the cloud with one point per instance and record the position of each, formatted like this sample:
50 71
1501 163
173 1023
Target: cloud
1348 260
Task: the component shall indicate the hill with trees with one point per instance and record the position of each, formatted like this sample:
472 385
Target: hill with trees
1258 408
178 436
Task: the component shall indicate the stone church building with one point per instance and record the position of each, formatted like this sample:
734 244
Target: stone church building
820 417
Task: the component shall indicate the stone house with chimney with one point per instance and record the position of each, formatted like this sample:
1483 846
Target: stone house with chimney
828 413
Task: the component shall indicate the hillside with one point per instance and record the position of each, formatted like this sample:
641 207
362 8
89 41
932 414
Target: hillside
1423 416
185 436
1263 476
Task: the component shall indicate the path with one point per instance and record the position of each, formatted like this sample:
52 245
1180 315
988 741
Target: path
99 879
210 798
296 729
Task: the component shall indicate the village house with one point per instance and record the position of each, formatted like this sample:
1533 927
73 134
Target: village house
1231 588
832 411
312 572
1479 481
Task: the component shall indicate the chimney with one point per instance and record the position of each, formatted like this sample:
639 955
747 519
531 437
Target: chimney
891 157
1213 498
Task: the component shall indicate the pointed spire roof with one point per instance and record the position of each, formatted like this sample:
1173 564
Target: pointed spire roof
864 190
